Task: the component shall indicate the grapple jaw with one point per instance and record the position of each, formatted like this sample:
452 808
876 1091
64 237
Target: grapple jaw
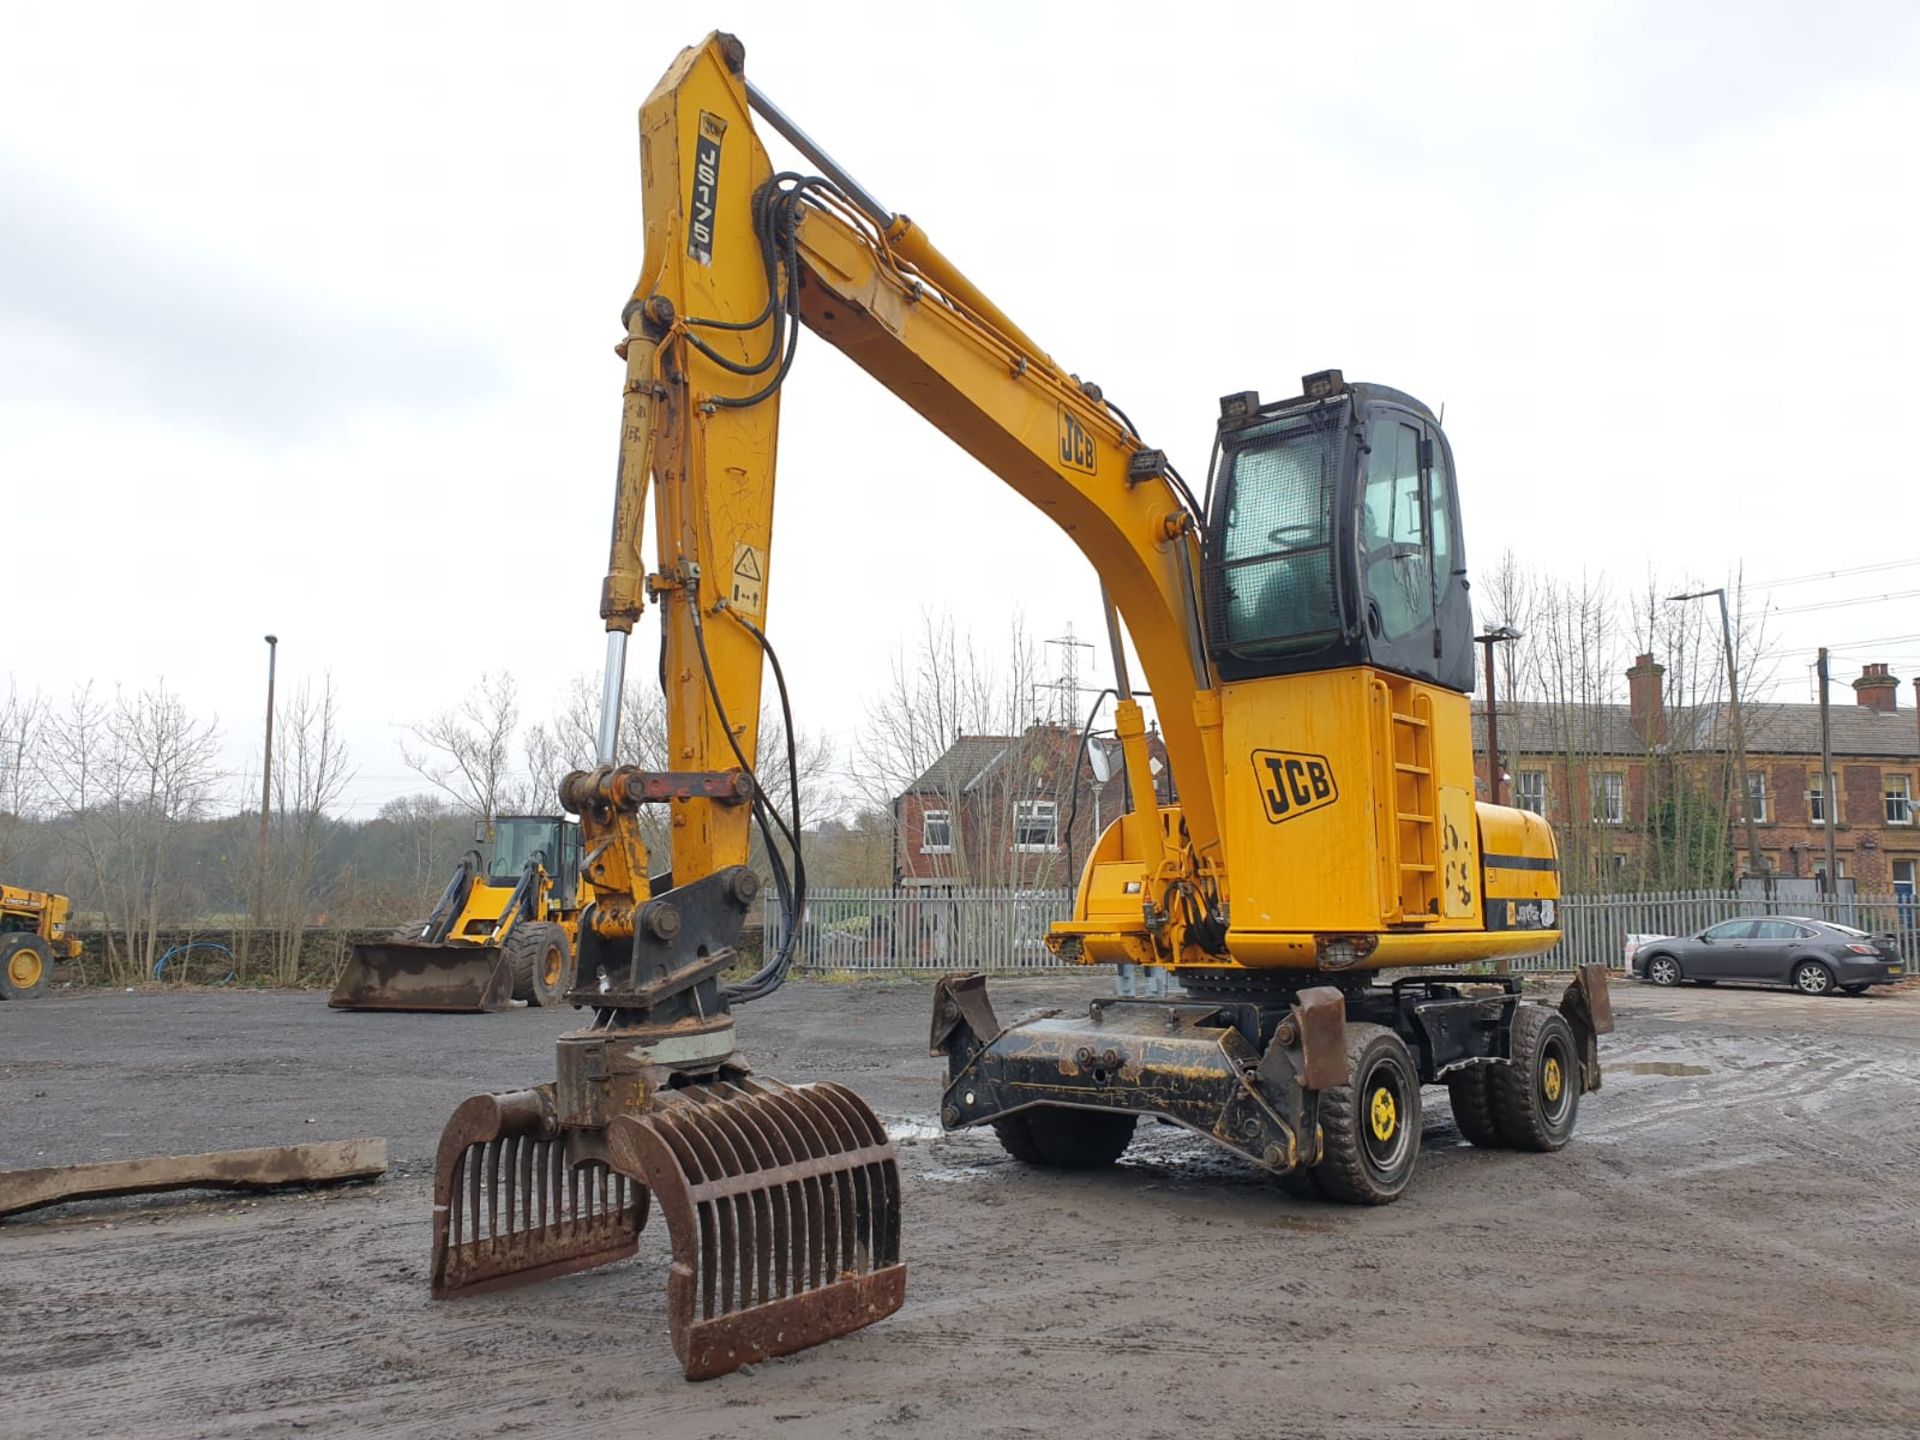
782 1205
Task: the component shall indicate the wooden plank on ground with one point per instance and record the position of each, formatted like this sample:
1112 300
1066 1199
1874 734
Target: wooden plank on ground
265 1168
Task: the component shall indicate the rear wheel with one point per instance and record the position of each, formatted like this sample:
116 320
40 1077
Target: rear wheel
26 966
1371 1123
1536 1097
1810 977
1663 970
1471 1092
541 961
1065 1139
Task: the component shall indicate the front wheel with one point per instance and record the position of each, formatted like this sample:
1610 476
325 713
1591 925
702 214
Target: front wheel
1810 977
1536 1098
1663 970
26 965
541 962
1371 1123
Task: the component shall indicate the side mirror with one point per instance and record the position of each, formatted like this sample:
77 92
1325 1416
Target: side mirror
1704 938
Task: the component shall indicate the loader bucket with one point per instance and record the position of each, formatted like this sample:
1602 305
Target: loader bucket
408 975
782 1205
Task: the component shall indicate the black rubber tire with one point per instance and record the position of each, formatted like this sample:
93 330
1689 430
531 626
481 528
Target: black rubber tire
17 947
1859 989
1471 1092
1061 1138
1805 982
1536 1095
1668 972
529 951
1363 1166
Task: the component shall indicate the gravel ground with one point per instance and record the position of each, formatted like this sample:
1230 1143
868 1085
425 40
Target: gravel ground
1728 1248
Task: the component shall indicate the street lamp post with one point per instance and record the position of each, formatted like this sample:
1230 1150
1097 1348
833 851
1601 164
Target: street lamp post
266 790
1754 865
1496 773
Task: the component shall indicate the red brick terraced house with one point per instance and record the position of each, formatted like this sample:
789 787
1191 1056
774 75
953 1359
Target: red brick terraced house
994 810
1638 795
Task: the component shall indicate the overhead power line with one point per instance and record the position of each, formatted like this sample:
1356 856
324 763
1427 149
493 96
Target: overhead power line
1839 604
1837 574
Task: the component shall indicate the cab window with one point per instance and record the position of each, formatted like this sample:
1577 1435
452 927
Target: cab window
1729 930
1396 533
1276 576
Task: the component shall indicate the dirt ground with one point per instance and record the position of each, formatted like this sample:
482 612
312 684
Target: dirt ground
1730 1247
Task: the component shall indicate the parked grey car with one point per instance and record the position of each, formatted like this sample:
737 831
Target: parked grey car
1815 957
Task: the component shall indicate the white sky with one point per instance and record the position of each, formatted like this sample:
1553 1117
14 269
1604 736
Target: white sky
306 315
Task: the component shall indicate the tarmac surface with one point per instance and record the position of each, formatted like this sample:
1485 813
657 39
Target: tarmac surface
1729 1247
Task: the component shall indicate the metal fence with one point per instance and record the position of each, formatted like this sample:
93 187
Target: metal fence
1594 928
895 931
1003 931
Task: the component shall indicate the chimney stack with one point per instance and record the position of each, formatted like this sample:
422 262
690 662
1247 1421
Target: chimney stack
1877 690
1646 707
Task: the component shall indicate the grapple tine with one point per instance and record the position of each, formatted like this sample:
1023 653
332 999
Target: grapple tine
497 1159
746 1154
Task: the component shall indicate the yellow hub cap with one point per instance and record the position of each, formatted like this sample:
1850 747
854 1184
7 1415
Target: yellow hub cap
23 969
1551 1079
1383 1114
553 966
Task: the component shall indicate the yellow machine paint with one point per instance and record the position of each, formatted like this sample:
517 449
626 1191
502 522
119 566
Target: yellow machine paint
33 934
504 931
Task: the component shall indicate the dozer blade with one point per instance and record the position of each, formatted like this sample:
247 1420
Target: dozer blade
517 1199
404 975
782 1205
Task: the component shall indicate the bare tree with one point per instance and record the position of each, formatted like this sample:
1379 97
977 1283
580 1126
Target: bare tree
467 751
22 723
311 771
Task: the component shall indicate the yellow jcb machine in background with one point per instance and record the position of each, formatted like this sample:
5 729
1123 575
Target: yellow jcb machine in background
33 934
1305 632
503 931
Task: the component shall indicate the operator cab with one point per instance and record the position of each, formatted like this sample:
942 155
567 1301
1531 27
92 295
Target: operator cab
1333 538
555 842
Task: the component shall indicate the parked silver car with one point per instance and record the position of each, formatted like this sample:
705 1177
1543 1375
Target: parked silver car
1815 957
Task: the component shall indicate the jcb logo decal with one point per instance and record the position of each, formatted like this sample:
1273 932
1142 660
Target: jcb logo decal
1292 784
1076 444
706 183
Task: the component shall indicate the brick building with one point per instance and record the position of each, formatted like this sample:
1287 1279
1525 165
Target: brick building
994 810
1616 781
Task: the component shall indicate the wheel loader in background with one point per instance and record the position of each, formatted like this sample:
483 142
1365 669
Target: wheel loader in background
502 933
33 934
1307 639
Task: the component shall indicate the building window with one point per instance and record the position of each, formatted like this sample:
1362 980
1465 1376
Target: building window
1609 799
1899 798
1757 796
936 832
1530 791
1817 801
1036 825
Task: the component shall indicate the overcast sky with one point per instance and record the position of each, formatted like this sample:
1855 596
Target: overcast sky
306 314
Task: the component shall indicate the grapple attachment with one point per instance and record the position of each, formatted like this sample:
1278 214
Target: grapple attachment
413 975
517 1199
782 1205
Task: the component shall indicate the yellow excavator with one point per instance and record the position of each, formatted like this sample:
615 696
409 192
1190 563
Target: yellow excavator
501 934
1321 875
